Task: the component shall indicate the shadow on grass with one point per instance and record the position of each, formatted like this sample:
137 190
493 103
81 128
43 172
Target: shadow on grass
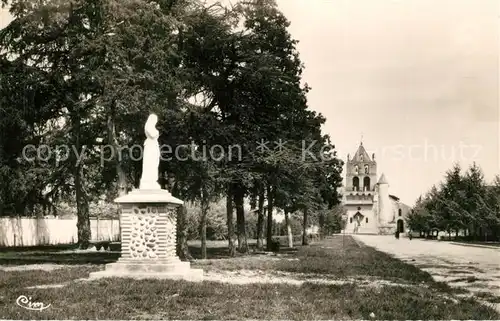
120 298
443 287
352 259
331 257
68 254
39 248
215 253
167 299
488 297
21 279
54 257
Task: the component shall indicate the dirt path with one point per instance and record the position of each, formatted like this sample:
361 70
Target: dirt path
473 268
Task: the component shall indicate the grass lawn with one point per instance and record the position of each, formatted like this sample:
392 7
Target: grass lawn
417 296
328 257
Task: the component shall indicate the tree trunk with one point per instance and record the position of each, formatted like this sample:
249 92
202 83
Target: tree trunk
83 225
182 248
82 205
203 224
305 240
137 173
253 198
270 205
230 225
239 195
116 156
82 209
260 221
288 229
322 227
163 180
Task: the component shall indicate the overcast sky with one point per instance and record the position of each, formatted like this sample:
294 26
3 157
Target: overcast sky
411 76
417 78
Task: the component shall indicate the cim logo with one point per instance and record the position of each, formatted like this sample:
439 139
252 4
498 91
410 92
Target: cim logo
26 303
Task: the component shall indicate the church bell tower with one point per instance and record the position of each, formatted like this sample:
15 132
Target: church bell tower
360 192
361 172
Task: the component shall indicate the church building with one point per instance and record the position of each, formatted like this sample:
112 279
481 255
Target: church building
365 196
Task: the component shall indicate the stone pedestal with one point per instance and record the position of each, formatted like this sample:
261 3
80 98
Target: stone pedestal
148 221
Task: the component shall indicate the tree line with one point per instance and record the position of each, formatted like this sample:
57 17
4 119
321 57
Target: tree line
86 74
464 205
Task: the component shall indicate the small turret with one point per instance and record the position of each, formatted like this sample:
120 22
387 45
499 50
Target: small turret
382 179
384 205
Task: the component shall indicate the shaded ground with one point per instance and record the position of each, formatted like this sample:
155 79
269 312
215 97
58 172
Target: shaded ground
478 244
71 255
327 258
321 281
473 268
493 244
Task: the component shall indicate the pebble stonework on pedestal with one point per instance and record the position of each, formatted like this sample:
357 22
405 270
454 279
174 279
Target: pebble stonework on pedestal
149 227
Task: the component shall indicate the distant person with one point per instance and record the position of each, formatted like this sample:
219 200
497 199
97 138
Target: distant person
410 236
397 235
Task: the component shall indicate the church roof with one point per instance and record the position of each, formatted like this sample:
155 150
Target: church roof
361 152
382 179
394 197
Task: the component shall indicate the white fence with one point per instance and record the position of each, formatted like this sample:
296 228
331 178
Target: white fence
24 231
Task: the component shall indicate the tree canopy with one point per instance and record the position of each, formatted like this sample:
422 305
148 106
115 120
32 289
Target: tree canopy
463 203
81 77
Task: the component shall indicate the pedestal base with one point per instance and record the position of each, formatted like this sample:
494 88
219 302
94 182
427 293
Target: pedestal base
148 223
150 270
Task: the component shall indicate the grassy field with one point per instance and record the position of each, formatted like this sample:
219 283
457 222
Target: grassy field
412 293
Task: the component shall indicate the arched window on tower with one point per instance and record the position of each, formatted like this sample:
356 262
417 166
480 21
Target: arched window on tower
361 158
356 169
355 183
400 212
367 170
366 183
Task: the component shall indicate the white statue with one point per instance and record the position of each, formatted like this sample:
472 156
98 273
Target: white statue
151 155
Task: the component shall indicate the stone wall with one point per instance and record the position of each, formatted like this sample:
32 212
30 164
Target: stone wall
148 232
27 231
